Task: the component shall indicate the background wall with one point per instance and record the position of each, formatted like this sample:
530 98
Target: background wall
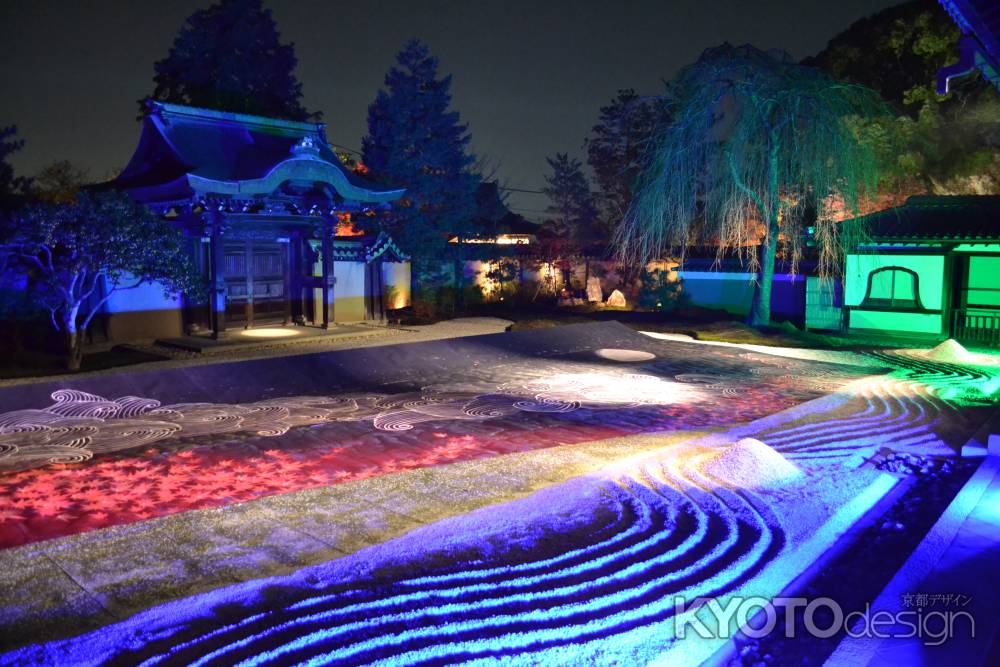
143 312
733 292
349 291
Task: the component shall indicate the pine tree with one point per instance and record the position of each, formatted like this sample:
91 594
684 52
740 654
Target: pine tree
572 204
615 147
415 141
229 57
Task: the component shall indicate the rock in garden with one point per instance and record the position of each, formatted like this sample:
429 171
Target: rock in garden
594 293
617 299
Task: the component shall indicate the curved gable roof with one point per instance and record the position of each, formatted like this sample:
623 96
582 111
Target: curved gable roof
226 152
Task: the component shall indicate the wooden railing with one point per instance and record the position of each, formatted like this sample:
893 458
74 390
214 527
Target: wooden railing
982 327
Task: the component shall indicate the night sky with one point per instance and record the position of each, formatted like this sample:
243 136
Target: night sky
529 77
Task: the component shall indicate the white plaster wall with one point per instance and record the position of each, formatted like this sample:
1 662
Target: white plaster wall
147 296
349 291
929 269
143 312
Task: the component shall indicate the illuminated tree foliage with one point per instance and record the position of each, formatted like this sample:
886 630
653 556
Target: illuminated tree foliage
758 148
945 144
229 57
77 255
415 141
898 52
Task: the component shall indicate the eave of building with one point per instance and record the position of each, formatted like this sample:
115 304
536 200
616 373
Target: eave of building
297 168
980 44
936 241
384 245
162 170
246 120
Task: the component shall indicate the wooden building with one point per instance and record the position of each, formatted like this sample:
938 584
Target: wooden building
269 209
931 268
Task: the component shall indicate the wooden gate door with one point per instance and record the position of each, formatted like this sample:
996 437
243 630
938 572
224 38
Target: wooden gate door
256 288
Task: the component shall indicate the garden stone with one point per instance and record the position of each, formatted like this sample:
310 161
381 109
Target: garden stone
617 299
594 293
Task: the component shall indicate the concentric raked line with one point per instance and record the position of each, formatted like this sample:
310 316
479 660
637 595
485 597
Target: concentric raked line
661 542
938 373
899 412
895 411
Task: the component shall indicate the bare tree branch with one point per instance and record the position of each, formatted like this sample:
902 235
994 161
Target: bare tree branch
104 299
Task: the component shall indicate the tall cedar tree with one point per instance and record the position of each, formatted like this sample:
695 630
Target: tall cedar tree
757 147
415 142
229 57
615 148
571 205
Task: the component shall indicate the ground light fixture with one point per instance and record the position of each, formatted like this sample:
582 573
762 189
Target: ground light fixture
269 332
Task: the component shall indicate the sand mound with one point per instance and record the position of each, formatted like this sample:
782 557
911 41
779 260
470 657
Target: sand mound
952 352
751 464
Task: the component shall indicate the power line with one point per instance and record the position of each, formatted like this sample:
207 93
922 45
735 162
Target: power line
530 192
345 148
527 210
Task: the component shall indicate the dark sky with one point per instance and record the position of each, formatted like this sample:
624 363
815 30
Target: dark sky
529 77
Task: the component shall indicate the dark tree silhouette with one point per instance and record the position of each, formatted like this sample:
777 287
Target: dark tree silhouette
415 141
229 57
615 148
757 147
11 186
59 182
79 254
571 205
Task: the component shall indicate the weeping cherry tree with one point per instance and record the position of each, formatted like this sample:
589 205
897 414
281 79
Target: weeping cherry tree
757 150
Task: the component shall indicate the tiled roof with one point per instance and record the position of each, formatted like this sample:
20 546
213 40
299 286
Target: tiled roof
938 218
179 141
367 249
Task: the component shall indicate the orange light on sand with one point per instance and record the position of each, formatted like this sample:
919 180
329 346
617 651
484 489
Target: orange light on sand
272 332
